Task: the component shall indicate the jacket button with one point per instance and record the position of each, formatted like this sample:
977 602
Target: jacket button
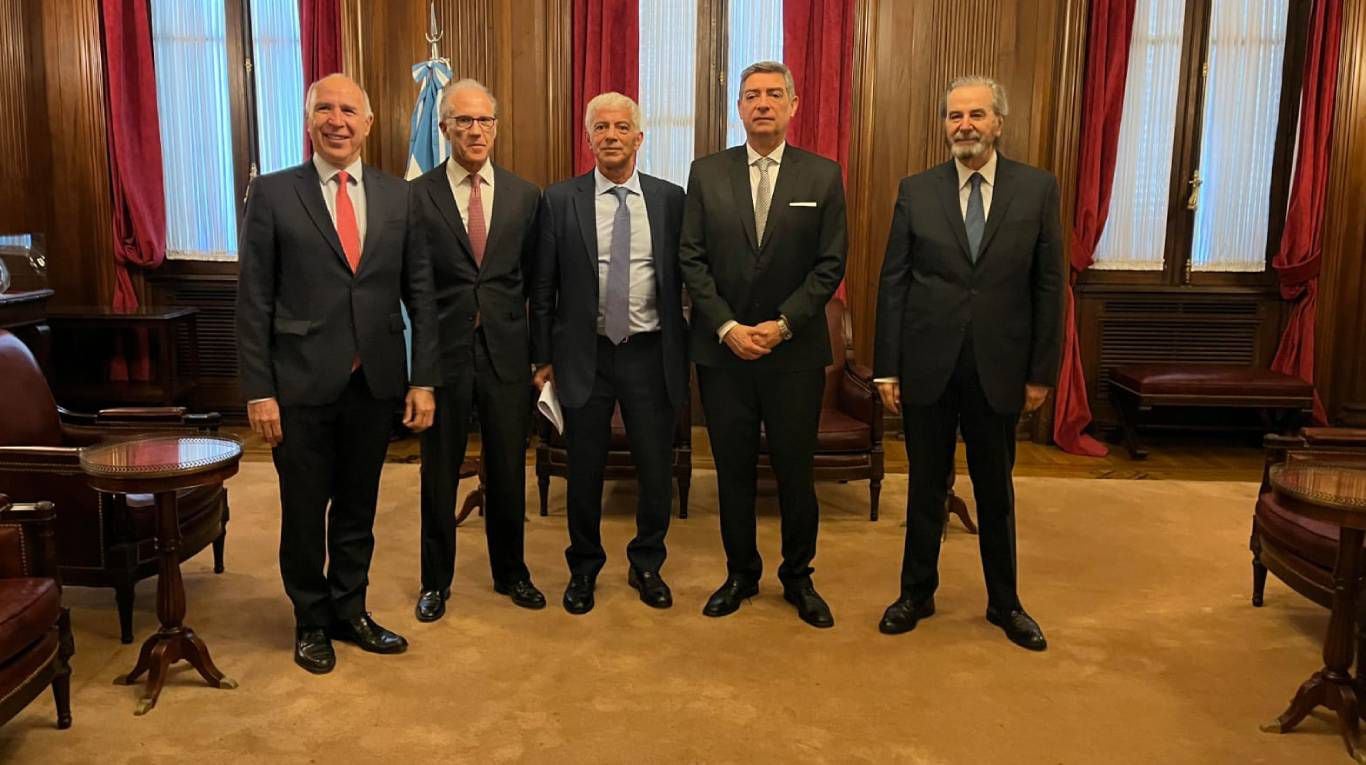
469 317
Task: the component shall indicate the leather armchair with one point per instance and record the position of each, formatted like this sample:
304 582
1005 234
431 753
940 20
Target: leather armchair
35 630
1301 552
849 439
552 456
103 540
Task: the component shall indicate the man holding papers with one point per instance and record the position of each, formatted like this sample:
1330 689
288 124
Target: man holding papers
607 328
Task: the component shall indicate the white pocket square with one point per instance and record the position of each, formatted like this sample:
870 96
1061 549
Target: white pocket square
801 204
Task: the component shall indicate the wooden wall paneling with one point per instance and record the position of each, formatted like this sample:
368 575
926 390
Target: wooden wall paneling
534 79
1340 337
80 257
21 211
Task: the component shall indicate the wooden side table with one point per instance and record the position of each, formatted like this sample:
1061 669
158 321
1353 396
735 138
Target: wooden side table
160 466
1336 494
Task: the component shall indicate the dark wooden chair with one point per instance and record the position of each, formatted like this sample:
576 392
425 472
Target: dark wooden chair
552 456
35 629
103 540
1301 552
849 438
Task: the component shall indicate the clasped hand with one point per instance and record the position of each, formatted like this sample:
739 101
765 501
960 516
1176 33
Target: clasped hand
750 343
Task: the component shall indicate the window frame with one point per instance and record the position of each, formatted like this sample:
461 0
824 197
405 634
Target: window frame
1176 268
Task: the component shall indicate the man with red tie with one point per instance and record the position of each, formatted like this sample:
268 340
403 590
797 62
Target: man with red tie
326 256
476 222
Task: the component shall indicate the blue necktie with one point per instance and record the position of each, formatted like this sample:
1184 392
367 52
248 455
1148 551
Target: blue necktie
976 219
618 311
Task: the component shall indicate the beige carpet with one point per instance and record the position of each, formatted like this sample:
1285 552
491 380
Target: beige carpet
1142 587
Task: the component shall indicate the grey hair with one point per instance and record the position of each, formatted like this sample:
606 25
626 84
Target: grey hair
465 84
313 93
998 94
767 67
612 100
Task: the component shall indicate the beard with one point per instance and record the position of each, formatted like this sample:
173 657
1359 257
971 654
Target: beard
965 151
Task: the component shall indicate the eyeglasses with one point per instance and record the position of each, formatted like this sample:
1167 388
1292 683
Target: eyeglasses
465 122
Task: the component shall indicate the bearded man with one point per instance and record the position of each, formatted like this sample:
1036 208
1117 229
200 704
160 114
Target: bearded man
969 334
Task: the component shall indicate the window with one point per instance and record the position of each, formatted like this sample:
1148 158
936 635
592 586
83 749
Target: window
667 94
16 241
674 66
192 42
1206 140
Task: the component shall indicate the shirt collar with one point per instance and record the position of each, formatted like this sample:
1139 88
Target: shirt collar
602 184
458 174
776 155
988 171
326 172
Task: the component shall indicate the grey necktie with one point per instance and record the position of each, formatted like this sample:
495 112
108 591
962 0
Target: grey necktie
618 314
762 197
976 219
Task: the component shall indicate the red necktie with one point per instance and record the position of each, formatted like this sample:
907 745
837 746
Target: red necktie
347 230
477 230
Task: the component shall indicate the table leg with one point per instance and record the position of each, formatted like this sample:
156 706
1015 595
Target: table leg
173 641
1333 686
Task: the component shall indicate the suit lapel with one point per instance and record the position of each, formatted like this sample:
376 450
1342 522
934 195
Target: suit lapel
744 198
1002 194
439 189
585 212
376 212
502 216
654 212
311 195
789 178
953 210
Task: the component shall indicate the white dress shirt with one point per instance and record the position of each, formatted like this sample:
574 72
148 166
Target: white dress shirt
644 300
327 176
460 182
988 172
753 158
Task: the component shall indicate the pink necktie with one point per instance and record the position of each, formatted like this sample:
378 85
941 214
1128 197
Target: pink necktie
478 232
347 230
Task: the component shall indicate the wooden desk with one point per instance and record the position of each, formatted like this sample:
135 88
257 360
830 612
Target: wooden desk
1335 494
161 465
83 340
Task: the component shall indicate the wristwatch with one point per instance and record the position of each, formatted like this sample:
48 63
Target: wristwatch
784 329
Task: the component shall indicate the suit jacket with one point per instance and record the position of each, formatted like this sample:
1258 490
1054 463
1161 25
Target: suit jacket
495 290
564 295
932 293
794 271
303 316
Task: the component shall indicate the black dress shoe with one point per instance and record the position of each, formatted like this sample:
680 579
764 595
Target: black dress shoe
431 604
523 593
366 633
653 591
578 596
727 599
903 615
810 605
313 651
1019 627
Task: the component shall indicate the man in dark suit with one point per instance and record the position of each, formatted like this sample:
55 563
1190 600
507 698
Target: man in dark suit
325 257
477 223
969 333
762 251
608 328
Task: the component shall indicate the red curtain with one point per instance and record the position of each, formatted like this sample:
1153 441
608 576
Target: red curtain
135 173
818 46
321 40
1107 68
606 56
1301 252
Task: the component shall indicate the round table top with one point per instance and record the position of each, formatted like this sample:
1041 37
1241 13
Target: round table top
1336 487
160 456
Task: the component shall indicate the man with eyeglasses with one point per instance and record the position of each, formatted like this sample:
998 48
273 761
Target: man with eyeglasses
477 222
